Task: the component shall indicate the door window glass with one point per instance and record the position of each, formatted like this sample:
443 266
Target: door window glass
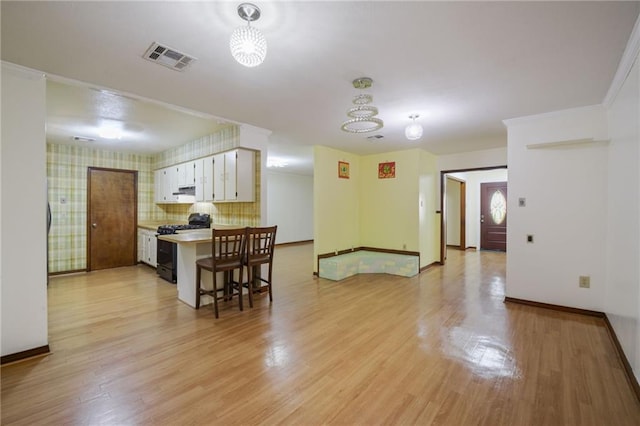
498 207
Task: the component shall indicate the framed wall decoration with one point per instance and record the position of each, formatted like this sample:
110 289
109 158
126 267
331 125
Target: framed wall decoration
387 170
343 170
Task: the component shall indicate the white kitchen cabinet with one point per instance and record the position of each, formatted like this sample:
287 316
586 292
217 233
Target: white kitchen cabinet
167 183
140 245
219 178
234 176
147 247
204 179
224 177
160 186
186 174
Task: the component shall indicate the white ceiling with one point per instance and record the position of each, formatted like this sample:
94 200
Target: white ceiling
463 66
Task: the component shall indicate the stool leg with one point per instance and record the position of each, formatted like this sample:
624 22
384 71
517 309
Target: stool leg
198 274
250 285
270 285
215 294
239 287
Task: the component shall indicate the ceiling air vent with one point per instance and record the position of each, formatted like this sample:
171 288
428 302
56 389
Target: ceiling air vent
168 57
374 137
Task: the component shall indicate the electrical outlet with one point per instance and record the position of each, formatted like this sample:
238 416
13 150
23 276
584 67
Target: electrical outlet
404 247
584 281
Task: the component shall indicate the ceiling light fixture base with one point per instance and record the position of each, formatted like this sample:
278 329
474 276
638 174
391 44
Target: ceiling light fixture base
362 83
249 12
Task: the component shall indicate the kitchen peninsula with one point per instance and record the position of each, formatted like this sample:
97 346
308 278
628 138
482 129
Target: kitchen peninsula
193 245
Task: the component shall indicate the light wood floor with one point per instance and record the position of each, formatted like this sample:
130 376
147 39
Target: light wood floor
440 348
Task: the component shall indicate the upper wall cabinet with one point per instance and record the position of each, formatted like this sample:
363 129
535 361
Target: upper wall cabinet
186 174
204 178
224 177
162 178
234 176
170 184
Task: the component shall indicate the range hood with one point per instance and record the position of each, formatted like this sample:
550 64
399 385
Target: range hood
186 190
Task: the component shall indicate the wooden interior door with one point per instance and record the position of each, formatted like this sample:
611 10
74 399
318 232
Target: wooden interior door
112 218
493 216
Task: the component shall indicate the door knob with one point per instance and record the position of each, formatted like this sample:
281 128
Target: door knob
94 225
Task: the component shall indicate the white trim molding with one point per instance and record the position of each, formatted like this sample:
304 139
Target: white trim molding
624 67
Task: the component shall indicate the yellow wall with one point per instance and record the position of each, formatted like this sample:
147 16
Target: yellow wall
336 204
395 213
389 207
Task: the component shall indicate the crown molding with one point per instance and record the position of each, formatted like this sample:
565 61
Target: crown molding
22 71
629 57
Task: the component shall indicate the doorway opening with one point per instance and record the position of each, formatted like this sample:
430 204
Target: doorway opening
452 218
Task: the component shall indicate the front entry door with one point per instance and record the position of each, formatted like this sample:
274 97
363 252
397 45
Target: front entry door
493 216
111 218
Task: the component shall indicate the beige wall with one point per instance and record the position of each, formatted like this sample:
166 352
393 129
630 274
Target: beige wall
24 225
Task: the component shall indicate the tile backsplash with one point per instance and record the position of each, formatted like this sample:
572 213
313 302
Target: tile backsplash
67 192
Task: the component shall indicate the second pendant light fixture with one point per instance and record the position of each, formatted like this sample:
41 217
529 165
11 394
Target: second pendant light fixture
414 130
248 45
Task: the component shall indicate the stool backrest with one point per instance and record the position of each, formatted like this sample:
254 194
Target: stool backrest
260 243
228 244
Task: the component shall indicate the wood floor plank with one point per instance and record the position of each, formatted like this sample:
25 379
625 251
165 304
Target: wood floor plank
440 348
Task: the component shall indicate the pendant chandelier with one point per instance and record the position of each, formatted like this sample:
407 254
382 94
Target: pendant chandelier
362 116
248 45
414 130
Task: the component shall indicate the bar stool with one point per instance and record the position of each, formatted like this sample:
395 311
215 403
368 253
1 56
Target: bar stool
260 243
228 249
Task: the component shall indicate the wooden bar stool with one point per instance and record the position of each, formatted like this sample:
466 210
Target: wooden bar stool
228 250
260 243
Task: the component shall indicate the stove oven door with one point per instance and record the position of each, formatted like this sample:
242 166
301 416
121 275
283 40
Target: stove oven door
167 260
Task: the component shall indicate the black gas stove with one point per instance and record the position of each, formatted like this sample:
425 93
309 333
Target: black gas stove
168 252
173 229
196 221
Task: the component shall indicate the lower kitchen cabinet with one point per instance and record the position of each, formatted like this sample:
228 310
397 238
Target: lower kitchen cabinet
147 247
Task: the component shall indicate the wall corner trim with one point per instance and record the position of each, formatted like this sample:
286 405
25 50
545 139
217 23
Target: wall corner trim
629 56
